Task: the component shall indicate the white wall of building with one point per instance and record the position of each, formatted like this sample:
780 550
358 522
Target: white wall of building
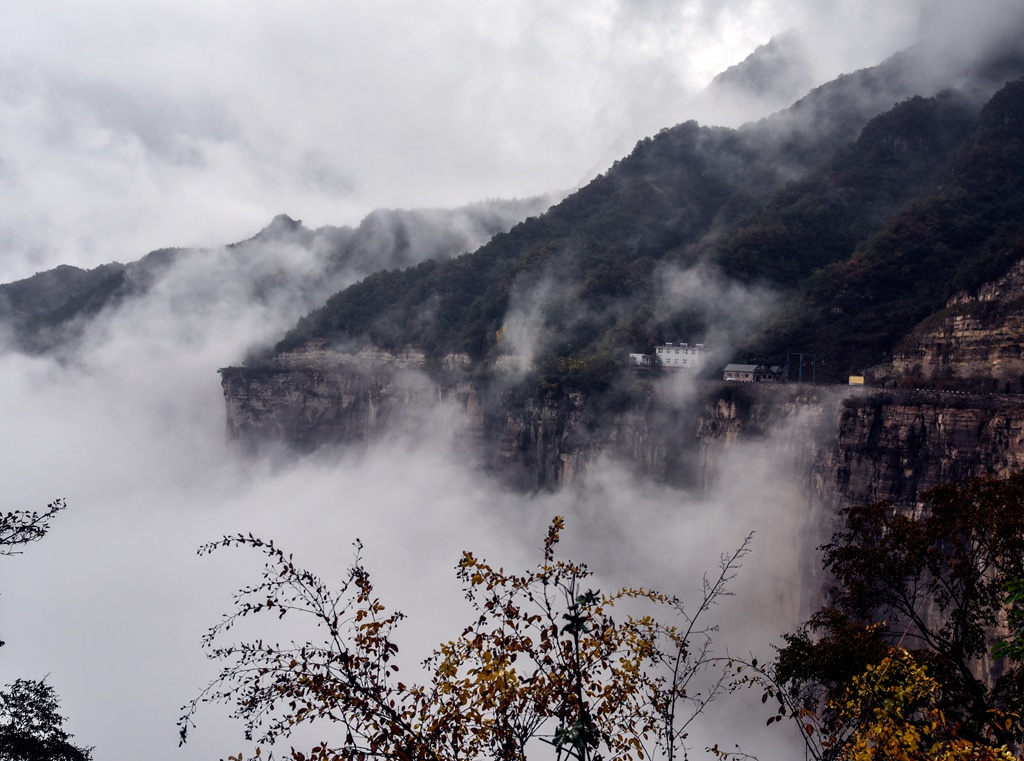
681 355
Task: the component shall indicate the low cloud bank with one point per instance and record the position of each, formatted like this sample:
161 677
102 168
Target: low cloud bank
188 124
111 604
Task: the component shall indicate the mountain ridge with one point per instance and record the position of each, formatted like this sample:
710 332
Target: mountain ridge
50 311
689 195
785 203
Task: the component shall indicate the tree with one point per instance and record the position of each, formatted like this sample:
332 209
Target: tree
1013 646
931 579
23 527
891 712
31 727
543 660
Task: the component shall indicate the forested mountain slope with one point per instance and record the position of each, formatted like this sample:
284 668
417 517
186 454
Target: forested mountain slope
861 215
967 231
285 260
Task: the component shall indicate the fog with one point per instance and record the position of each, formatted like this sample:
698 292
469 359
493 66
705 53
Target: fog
129 428
131 127
125 128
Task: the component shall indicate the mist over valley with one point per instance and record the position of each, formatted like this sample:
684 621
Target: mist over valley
434 370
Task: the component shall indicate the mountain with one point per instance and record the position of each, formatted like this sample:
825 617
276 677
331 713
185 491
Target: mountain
964 231
874 226
771 78
51 310
867 226
831 206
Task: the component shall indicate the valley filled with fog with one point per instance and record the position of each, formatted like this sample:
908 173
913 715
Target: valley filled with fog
111 605
127 422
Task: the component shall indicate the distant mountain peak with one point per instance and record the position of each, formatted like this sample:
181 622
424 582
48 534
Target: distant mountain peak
772 77
281 227
282 223
776 70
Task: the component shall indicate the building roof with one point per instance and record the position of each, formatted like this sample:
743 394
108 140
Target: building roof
774 369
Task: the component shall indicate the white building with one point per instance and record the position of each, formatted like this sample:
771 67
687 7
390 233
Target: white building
681 355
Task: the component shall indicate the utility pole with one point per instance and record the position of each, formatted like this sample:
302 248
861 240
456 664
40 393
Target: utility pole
800 371
800 367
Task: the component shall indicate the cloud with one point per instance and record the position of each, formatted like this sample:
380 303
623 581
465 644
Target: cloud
961 29
130 430
129 128
730 309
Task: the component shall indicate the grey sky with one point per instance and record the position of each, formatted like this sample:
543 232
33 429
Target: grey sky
126 127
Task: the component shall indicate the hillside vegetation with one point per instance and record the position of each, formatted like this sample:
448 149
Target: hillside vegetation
862 219
830 228
49 311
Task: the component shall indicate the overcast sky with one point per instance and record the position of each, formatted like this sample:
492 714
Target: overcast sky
126 127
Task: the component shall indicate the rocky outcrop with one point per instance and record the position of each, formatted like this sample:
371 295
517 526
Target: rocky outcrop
977 341
320 396
305 408
548 441
894 446
529 439
847 446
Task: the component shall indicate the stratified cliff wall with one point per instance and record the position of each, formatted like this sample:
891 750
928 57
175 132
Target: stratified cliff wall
977 340
549 441
318 397
846 446
308 408
895 445
305 408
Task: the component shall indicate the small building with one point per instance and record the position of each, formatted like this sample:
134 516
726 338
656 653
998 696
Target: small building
681 356
739 373
752 373
641 360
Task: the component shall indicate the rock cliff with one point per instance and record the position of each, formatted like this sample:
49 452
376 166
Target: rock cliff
305 407
847 446
976 341
318 397
893 446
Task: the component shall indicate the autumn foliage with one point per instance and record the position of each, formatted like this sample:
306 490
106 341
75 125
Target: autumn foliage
543 660
891 668
892 712
902 655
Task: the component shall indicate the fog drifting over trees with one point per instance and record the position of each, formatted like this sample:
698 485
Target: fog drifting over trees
130 128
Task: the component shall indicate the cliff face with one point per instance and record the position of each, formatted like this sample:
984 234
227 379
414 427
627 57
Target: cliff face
547 442
978 340
895 446
318 396
530 441
305 408
844 447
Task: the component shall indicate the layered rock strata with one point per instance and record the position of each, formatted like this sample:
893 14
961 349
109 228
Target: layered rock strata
847 447
977 341
894 446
